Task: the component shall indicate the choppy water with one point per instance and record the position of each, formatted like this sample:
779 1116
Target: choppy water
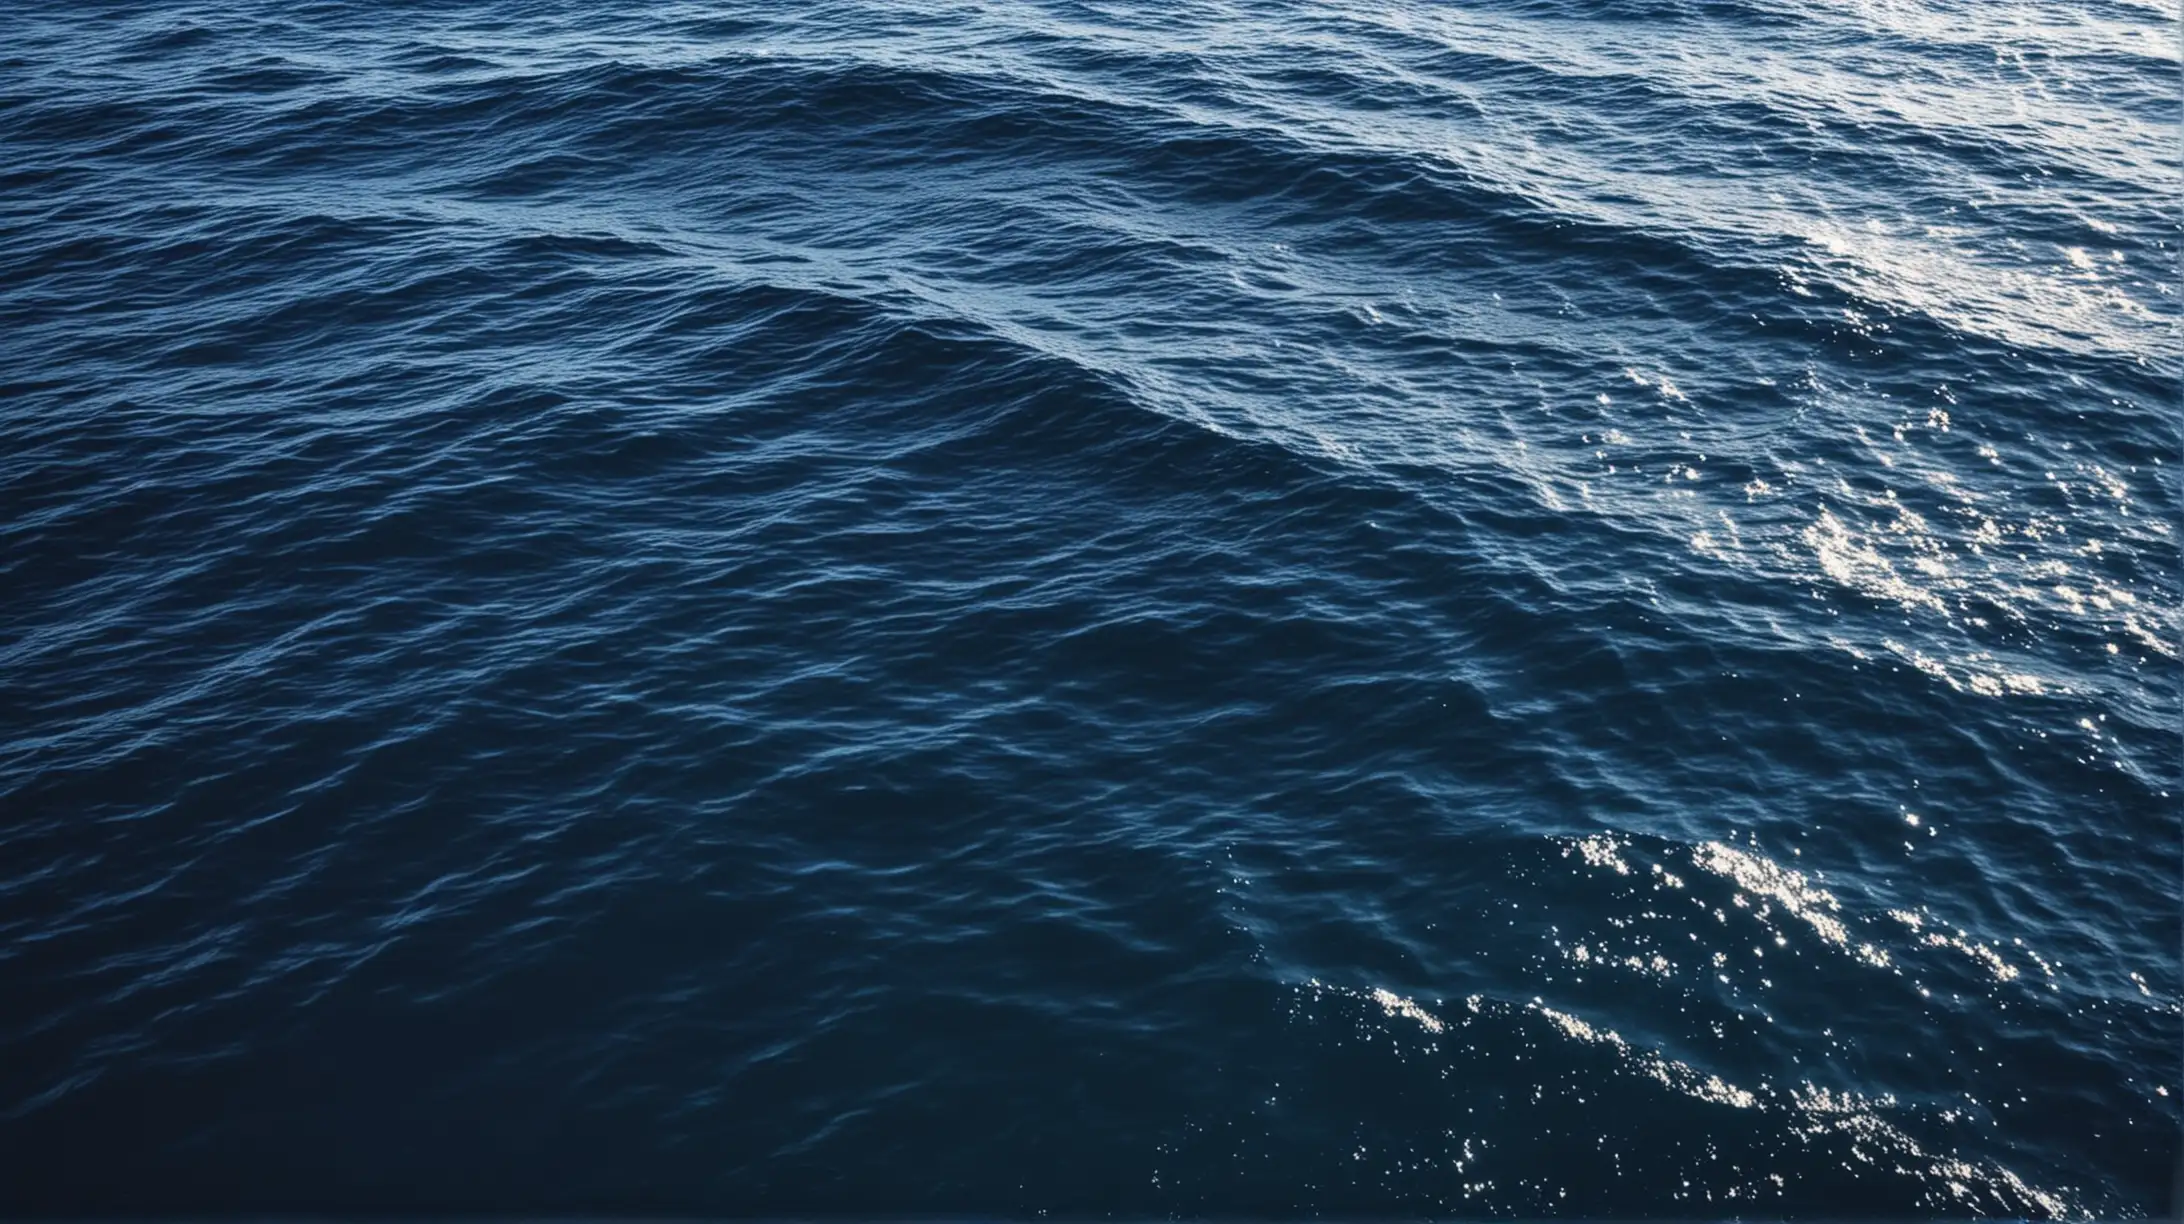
1510 608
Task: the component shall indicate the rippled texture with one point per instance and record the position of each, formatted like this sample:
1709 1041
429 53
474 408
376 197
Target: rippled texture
1522 608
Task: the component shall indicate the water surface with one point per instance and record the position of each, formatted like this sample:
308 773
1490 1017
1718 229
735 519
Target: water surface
1513 608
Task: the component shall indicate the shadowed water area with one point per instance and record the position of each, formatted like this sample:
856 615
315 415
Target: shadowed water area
1513 608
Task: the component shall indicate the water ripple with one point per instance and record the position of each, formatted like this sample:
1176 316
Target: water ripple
1531 609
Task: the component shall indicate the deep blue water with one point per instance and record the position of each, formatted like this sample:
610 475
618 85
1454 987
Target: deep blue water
1007 606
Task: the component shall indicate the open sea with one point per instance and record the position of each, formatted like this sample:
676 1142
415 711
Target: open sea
1004 608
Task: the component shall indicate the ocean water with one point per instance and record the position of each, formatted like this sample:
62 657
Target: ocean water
1014 607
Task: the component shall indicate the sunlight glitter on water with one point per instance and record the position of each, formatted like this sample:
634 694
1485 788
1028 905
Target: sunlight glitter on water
1812 1111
